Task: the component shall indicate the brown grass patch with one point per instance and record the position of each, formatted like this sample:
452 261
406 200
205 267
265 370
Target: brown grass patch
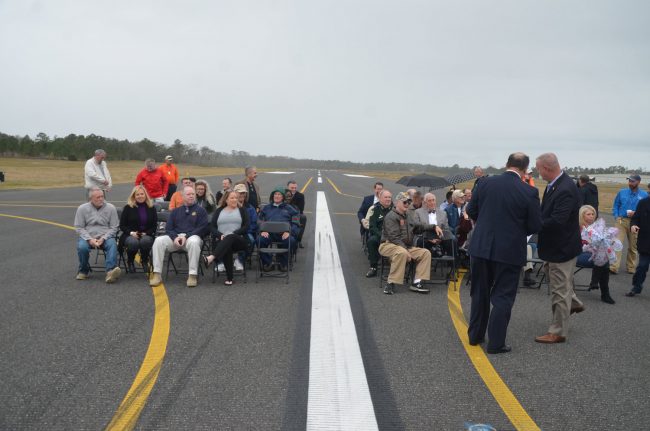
40 173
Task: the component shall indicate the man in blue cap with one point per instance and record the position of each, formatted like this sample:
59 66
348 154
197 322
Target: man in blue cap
624 207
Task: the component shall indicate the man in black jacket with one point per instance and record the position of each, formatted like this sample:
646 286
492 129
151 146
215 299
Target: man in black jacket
369 201
298 201
559 244
588 192
505 210
641 227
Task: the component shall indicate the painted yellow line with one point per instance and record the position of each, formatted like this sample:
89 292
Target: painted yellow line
339 191
306 184
38 220
353 214
130 408
39 206
500 391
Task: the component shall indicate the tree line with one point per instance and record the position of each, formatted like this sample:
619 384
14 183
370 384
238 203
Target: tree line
79 147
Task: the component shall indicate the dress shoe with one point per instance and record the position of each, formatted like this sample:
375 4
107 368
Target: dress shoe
267 268
300 245
528 282
550 339
477 342
593 287
503 349
577 309
130 266
629 294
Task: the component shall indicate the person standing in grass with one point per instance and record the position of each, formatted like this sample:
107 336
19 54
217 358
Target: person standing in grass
96 174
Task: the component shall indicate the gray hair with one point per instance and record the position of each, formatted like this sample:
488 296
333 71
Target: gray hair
149 160
93 190
429 195
247 169
549 160
383 192
100 152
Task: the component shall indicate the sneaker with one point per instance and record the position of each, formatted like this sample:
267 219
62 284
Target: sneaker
630 294
113 275
155 279
81 276
389 289
418 287
238 265
221 268
372 272
192 281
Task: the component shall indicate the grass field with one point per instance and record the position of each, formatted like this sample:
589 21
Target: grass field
38 173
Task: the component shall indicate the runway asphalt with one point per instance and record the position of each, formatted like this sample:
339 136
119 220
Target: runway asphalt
238 357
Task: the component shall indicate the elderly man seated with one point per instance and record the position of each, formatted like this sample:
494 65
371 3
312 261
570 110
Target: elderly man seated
375 225
96 222
432 223
397 244
278 210
186 227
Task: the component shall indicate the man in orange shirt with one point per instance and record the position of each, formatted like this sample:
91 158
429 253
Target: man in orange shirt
171 173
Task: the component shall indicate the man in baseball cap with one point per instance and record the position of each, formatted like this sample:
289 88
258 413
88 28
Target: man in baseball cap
623 210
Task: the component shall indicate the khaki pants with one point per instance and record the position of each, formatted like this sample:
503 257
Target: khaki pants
560 276
623 225
398 259
164 244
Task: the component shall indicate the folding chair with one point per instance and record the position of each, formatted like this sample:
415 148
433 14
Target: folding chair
273 227
446 260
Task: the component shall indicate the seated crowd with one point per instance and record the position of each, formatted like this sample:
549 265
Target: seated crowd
227 226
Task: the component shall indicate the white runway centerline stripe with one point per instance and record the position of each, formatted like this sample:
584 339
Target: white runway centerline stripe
339 398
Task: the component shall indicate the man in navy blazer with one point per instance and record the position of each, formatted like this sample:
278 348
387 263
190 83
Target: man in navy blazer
559 244
505 210
369 201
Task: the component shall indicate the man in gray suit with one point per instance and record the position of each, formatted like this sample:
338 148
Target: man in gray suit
433 225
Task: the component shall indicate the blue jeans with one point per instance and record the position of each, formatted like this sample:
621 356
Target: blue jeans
83 251
641 271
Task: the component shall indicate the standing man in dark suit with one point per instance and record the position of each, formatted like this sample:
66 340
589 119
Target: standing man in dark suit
506 210
369 201
298 201
559 244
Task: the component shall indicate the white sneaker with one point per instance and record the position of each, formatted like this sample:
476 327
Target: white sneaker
238 265
221 267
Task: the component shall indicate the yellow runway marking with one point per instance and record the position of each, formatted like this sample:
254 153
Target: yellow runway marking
39 206
130 408
339 191
38 220
504 397
345 214
306 184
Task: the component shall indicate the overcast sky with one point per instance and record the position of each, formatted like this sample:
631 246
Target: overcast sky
428 81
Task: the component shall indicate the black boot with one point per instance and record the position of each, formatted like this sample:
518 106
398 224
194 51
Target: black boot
604 284
595 276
